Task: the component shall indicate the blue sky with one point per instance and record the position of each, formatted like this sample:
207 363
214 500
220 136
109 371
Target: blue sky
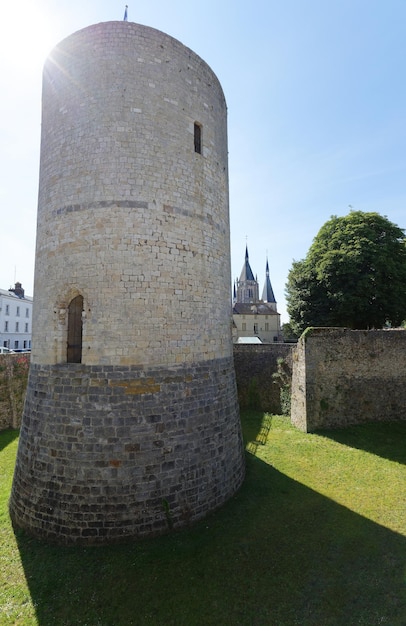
316 96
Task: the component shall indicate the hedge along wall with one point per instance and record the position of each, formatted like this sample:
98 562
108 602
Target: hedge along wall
255 365
13 384
342 377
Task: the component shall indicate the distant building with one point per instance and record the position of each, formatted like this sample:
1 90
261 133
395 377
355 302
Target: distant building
253 317
15 318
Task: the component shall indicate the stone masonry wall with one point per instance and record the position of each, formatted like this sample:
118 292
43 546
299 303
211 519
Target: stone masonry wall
343 377
108 452
13 384
130 216
131 421
254 367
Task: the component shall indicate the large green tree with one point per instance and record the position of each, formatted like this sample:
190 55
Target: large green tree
354 275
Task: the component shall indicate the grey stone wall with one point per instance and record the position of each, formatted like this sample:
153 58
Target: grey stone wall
254 367
108 452
343 377
13 384
130 216
133 219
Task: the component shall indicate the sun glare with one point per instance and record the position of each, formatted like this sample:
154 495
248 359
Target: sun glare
26 35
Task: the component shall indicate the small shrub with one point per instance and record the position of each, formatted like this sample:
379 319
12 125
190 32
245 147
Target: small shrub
283 378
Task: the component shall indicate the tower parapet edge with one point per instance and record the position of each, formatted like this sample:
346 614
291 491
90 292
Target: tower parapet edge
131 418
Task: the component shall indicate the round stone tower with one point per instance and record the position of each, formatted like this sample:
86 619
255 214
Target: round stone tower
131 422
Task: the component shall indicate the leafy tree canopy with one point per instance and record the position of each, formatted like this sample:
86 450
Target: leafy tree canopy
354 275
288 333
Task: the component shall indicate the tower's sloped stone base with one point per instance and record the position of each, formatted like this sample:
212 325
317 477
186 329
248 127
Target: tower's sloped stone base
108 452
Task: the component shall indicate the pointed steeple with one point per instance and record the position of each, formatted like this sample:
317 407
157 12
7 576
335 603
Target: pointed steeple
246 272
247 285
267 294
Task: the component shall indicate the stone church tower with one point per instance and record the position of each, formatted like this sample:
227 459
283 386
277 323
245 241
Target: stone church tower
246 287
131 422
254 320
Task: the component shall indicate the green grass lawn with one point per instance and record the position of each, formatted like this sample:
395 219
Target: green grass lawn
316 536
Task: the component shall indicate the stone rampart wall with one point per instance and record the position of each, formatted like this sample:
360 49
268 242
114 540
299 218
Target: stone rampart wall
254 366
13 384
342 377
339 377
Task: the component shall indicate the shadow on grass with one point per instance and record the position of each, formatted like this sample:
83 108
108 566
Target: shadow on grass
277 554
7 437
384 439
256 430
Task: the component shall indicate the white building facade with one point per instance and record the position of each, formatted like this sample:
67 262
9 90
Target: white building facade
15 318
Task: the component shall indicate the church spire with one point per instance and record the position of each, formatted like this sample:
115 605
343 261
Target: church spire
247 285
267 294
246 272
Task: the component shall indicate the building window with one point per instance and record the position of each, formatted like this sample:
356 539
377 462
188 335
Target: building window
74 349
6 327
27 312
266 325
198 138
7 309
244 326
16 345
18 311
25 344
17 327
26 328
256 329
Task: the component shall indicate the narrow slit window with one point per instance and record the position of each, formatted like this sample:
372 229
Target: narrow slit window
198 138
74 349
